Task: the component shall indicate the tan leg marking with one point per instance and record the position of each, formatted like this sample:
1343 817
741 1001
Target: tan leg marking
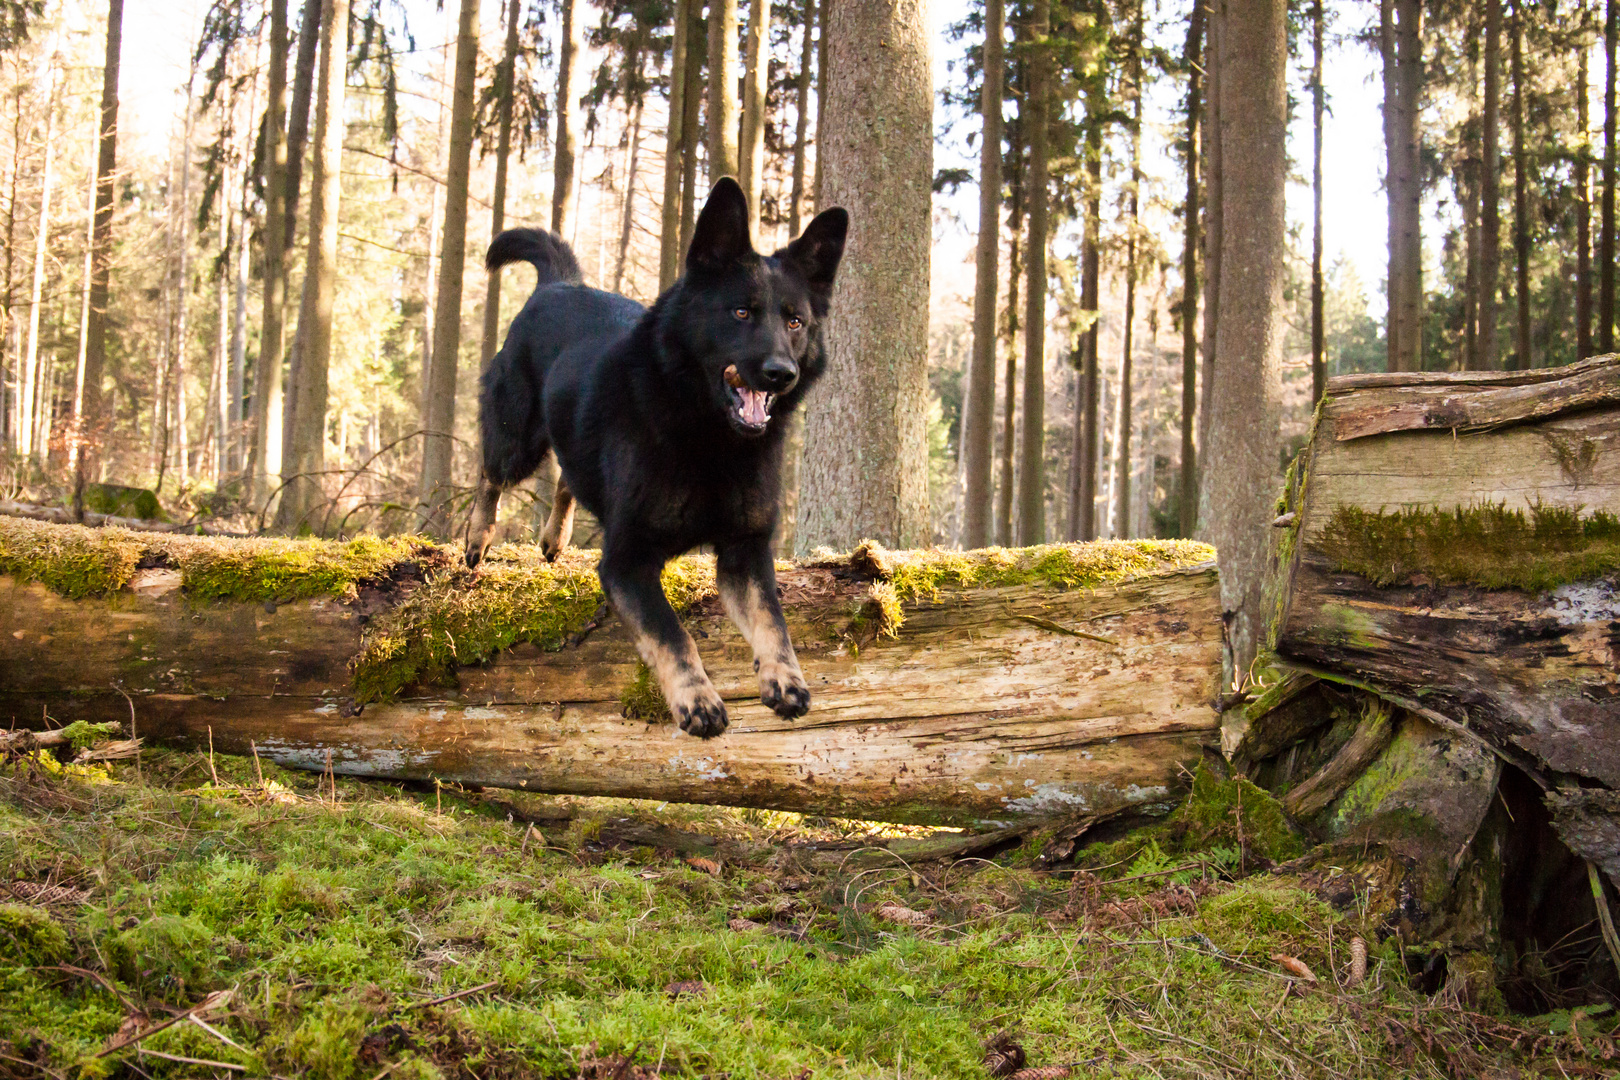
481 528
781 682
692 698
560 525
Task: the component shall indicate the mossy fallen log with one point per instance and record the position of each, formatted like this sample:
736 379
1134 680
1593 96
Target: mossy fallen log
959 688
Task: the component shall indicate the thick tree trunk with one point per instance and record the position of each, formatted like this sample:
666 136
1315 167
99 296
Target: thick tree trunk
507 90
265 455
306 451
721 117
801 132
88 422
978 428
1246 401
821 99
1401 47
691 105
1214 222
751 147
1611 115
676 149
566 145
1583 205
438 443
866 447
29 385
1045 700
1088 396
1490 197
1122 433
1032 445
1188 488
1009 395
1522 358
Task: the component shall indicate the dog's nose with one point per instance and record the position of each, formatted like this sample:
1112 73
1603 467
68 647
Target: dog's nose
778 373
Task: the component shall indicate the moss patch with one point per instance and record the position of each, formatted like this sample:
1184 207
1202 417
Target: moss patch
642 699
73 561
29 937
922 574
1489 546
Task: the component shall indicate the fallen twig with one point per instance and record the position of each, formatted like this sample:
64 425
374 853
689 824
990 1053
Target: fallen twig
452 997
194 1061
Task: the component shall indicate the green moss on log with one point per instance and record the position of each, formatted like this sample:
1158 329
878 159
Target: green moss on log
642 699
924 574
1488 546
68 559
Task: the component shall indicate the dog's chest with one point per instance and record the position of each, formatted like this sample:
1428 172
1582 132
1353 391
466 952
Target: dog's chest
693 504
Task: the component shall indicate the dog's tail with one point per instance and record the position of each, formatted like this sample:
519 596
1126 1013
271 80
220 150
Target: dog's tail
545 251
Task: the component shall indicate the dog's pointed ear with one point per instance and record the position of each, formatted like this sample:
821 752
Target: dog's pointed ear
819 248
721 235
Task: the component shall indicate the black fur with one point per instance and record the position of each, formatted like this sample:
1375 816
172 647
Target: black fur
649 435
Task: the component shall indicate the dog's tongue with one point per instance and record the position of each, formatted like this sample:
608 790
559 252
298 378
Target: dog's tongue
755 409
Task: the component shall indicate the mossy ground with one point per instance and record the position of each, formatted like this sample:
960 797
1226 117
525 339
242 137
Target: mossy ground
1488 546
336 923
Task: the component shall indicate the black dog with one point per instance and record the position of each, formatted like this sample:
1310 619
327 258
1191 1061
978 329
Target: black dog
668 424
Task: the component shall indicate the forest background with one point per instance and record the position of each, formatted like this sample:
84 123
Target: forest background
190 397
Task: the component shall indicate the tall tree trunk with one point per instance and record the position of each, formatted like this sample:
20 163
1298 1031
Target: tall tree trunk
691 119
751 148
1032 445
182 294
866 446
1522 358
435 224
220 381
306 450
1490 196
821 100
802 129
238 380
1188 490
566 145
506 90
30 388
439 442
1400 46
628 219
1122 434
1246 402
1583 204
1214 236
75 432
979 425
1318 297
265 427
722 114
1606 246
1008 486
676 149
1088 398
88 391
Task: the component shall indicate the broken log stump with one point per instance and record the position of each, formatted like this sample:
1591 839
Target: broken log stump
948 688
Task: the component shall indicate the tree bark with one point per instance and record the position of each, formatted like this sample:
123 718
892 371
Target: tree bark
979 426
565 146
691 104
1583 204
88 422
1114 684
1188 488
265 455
751 148
1246 402
627 219
1032 445
1490 197
1318 108
802 128
438 443
29 388
1522 358
182 293
306 451
821 99
722 113
1606 245
866 448
1122 434
1214 232
1087 432
1015 269
676 149
503 151
1401 47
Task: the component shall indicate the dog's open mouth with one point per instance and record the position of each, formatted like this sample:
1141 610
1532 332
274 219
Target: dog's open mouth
752 407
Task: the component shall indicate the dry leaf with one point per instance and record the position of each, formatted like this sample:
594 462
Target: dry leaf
743 926
695 987
892 912
1358 962
1294 966
708 866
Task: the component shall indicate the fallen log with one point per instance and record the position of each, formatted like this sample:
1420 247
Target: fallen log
948 688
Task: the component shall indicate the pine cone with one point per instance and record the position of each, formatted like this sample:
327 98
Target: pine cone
1043 1072
1002 1056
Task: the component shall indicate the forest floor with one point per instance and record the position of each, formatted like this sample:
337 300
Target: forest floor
207 921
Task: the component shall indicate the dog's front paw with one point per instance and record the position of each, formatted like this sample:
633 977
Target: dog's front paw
700 711
782 687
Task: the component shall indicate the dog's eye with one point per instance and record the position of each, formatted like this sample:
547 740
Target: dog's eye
741 313
794 322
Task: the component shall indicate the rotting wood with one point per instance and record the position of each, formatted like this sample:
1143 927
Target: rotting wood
1372 735
972 712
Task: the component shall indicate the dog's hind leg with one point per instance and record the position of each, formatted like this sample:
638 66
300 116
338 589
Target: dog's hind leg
560 525
634 587
481 529
746 574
